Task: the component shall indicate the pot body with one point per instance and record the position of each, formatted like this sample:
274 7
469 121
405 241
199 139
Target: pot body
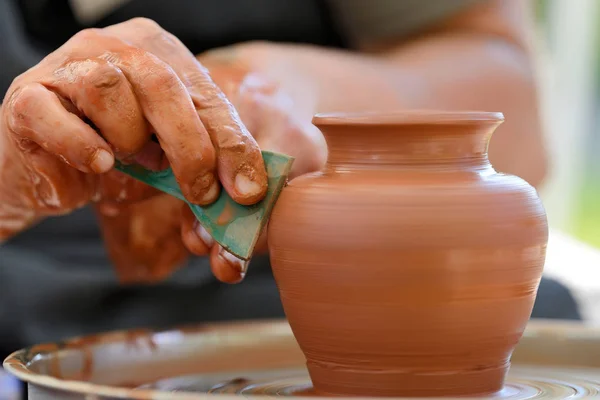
402 275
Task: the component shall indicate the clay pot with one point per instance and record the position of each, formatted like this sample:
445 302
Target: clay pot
408 267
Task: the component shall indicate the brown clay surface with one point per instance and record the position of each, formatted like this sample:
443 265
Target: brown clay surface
409 267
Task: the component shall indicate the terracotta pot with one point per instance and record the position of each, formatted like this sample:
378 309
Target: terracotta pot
408 267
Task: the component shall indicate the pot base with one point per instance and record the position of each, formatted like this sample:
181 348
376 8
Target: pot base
553 360
522 384
346 382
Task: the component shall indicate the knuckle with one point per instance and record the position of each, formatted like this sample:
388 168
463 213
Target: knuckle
146 23
197 77
20 103
91 74
151 36
257 45
16 83
162 79
208 99
207 95
104 76
88 34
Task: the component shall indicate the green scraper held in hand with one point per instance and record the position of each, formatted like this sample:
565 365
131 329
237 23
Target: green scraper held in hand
234 226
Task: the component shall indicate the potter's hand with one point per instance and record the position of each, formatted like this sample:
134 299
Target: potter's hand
144 240
130 81
269 114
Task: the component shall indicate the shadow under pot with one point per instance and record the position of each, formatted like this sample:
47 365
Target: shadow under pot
408 266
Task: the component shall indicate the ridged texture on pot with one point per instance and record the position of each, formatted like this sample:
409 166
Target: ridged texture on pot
409 267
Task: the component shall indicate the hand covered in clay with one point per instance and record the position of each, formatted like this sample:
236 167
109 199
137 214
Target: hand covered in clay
101 96
144 241
270 115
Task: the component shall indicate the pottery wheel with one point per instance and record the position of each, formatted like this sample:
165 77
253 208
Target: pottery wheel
522 383
263 360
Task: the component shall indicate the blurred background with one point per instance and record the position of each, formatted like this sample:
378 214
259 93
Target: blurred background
568 56
568 52
569 72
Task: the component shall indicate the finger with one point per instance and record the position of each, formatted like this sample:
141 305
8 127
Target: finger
35 113
155 235
305 143
226 267
169 109
276 130
143 240
102 93
53 186
240 165
195 238
151 157
115 230
262 244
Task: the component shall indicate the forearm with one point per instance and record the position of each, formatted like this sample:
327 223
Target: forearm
458 72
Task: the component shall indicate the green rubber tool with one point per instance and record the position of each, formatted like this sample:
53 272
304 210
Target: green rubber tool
234 226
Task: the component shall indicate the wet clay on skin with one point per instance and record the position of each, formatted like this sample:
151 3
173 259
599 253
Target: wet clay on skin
101 76
408 267
144 240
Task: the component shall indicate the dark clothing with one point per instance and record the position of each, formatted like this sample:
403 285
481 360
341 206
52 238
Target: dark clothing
55 278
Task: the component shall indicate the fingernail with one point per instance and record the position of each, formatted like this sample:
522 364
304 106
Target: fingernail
232 260
246 186
201 183
102 162
204 188
204 235
212 193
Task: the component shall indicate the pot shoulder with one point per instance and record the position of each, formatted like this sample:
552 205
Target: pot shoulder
478 206
399 190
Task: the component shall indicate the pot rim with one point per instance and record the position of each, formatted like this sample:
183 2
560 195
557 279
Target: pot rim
408 117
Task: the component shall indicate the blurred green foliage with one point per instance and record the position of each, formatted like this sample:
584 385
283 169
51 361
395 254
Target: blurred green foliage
541 7
586 215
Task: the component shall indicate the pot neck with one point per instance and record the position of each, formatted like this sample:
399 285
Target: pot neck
452 146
